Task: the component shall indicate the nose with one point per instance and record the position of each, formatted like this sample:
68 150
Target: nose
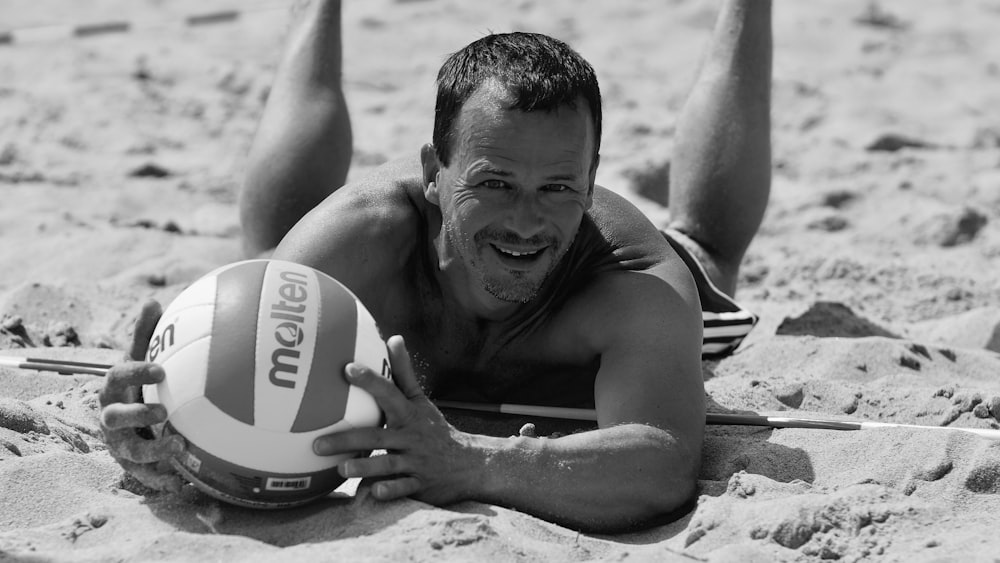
525 217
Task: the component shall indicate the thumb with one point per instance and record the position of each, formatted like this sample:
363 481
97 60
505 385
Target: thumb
402 368
144 327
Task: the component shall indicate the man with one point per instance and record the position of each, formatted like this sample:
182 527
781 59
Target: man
512 277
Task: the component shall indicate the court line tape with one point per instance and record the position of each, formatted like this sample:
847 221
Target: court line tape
45 33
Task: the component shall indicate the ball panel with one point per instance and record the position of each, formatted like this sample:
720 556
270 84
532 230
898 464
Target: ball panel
185 381
201 423
361 409
178 328
326 390
230 385
287 326
251 488
199 293
370 350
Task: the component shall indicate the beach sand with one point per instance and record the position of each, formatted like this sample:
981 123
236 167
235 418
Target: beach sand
876 272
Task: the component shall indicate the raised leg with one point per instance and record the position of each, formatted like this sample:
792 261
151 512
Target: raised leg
302 150
721 168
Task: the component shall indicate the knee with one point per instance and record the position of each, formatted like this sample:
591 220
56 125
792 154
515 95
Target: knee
722 268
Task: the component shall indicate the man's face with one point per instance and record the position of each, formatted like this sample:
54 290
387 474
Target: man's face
515 192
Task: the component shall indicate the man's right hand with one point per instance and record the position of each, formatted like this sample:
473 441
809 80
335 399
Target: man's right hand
124 415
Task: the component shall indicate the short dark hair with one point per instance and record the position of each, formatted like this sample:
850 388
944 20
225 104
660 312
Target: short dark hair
541 73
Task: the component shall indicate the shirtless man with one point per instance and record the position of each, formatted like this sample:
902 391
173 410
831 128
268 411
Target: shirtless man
512 277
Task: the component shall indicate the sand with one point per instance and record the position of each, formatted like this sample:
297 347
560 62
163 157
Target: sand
876 272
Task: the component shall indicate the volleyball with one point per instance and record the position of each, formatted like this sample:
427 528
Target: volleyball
254 354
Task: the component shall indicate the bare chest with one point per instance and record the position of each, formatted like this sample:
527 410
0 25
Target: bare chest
458 359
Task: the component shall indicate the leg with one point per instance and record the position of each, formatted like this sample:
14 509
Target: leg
721 170
302 149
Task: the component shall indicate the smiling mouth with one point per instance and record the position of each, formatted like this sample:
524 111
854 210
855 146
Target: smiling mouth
517 254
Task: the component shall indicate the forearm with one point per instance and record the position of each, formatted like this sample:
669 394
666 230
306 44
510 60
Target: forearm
602 480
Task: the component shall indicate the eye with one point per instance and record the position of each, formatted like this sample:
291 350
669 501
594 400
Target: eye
493 184
555 187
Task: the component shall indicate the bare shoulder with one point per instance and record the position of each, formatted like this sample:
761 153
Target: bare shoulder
625 226
636 246
639 293
656 308
643 320
363 229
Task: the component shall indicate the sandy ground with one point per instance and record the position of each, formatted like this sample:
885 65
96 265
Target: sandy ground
876 272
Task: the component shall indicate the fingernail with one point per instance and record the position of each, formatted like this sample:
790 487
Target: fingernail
352 371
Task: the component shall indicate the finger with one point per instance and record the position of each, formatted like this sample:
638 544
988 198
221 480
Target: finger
374 466
391 489
145 325
125 445
402 368
386 394
132 415
528 431
153 476
123 379
360 440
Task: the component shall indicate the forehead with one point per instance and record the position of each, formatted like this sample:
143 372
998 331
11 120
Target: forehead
486 121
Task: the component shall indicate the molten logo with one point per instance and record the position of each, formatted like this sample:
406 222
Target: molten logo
161 342
288 334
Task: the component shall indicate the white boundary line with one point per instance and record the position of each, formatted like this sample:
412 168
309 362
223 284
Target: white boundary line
48 33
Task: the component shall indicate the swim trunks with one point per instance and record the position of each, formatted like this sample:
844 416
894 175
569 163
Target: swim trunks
726 323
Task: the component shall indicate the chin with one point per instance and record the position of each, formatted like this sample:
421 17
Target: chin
518 291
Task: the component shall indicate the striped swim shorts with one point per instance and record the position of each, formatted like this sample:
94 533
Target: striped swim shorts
726 323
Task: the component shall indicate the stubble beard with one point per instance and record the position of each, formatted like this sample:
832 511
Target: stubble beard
517 289
512 287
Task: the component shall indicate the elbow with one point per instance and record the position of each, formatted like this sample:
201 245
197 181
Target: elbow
670 493
653 506
672 499
664 485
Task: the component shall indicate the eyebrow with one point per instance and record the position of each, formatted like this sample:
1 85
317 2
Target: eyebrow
558 177
487 169
562 177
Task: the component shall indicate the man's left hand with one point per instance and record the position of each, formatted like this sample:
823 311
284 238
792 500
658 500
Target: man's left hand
427 458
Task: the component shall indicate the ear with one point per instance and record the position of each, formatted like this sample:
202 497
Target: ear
431 170
592 179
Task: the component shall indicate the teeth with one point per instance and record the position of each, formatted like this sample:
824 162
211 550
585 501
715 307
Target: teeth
515 253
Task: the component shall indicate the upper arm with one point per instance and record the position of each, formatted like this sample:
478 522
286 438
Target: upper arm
650 371
354 236
324 238
645 323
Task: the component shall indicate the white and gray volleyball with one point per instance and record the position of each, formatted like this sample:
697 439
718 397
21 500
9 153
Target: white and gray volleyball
254 355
